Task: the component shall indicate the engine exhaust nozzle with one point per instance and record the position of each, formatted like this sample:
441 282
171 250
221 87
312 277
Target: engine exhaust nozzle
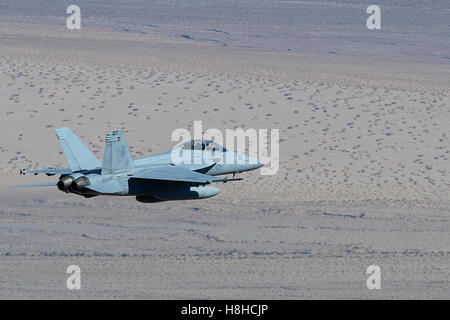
64 183
80 184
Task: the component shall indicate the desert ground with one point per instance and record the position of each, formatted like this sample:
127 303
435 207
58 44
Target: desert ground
364 174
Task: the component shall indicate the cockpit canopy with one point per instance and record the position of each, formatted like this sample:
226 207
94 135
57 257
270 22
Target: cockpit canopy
201 144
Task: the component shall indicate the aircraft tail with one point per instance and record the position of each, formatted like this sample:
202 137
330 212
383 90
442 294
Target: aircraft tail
78 155
117 155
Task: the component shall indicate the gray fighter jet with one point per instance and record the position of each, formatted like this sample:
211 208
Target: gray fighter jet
185 172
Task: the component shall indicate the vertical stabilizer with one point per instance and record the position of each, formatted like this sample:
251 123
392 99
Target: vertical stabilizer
117 155
78 155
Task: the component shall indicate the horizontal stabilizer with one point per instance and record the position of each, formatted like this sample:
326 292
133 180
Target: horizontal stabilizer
49 172
46 184
175 173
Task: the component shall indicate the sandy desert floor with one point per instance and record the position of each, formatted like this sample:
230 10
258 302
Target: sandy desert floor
364 170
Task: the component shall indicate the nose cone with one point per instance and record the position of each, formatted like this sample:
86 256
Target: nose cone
243 162
254 163
260 164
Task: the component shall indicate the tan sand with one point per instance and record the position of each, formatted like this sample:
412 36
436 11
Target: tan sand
364 171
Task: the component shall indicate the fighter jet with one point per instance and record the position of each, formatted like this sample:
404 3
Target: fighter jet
185 172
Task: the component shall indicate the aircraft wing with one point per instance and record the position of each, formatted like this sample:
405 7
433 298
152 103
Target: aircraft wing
174 173
49 172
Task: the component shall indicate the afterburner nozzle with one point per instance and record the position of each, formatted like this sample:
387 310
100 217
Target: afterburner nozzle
80 184
64 183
